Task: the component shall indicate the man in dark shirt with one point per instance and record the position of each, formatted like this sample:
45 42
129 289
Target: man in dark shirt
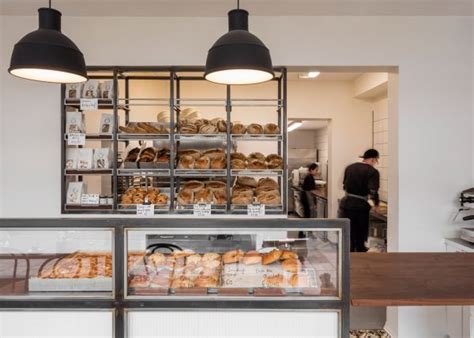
361 181
308 186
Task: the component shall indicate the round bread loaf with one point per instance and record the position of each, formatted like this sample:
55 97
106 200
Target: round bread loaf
204 162
238 156
193 186
255 129
256 164
208 129
238 164
246 181
271 129
238 128
186 162
219 162
203 196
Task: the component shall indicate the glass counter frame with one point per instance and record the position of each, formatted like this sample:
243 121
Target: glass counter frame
120 303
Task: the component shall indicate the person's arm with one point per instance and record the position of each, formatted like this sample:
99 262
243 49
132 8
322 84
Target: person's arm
374 185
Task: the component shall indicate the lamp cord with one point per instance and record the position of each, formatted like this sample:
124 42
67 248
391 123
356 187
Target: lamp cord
238 4
49 3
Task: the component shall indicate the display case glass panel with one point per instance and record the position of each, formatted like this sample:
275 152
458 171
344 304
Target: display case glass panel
45 263
228 323
260 263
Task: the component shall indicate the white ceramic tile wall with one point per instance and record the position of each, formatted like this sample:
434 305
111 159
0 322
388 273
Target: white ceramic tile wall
381 143
321 140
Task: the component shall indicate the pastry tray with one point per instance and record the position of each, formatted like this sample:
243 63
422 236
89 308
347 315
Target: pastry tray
36 284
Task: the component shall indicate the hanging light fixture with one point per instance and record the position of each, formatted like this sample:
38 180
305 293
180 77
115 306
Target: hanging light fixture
47 54
238 57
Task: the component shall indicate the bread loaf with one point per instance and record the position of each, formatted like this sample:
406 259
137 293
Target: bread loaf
255 129
238 128
271 129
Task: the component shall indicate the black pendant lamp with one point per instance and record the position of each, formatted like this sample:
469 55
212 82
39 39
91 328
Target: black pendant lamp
238 57
47 54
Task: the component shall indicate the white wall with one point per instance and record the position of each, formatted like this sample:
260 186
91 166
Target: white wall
321 141
435 97
380 109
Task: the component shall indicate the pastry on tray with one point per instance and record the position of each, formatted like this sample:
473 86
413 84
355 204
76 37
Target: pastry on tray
208 129
256 164
255 129
203 162
203 196
185 196
274 281
238 128
232 256
252 257
218 162
242 199
275 164
291 265
238 164
256 156
222 126
271 129
186 162
219 197
247 181
188 129
271 257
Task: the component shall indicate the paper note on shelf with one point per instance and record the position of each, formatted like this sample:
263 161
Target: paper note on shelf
145 210
90 199
256 210
89 104
76 139
202 210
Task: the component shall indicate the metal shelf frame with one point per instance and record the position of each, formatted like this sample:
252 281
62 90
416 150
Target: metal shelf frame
176 76
119 303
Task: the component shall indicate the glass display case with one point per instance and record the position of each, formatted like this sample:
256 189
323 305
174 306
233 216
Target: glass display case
157 270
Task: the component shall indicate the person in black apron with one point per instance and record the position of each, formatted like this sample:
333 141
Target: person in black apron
361 181
307 197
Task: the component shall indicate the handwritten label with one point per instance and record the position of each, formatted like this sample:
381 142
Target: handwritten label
90 199
256 210
89 104
202 210
76 139
145 210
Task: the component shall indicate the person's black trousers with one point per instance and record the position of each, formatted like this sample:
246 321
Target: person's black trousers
359 227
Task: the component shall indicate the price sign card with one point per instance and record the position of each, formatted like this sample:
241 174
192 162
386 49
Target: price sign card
76 139
202 210
90 199
89 104
256 210
145 210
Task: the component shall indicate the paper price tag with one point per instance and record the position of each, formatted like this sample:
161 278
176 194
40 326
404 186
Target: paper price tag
256 210
202 210
145 210
90 199
76 139
89 104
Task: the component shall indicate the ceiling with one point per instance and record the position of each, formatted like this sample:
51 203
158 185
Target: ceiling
327 76
219 8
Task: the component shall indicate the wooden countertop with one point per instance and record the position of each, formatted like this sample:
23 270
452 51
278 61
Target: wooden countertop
397 279
321 192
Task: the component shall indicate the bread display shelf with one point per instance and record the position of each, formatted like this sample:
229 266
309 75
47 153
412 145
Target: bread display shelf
102 104
104 137
258 137
256 172
200 172
85 172
131 137
190 137
143 172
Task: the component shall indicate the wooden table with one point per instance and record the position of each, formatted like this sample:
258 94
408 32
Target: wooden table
397 279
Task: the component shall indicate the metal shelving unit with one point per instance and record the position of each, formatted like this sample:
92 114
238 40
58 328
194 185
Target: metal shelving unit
123 106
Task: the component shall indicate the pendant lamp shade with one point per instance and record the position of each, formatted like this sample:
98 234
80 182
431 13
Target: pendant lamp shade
238 57
48 55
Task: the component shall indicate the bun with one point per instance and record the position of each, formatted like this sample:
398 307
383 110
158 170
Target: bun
256 164
287 254
271 129
238 156
238 164
238 128
275 281
216 185
202 163
255 129
219 197
222 126
252 257
161 199
256 156
291 265
208 129
203 196
185 196
186 162
232 256
246 181
188 129
190 152
219 163
193 186
275 164
271 257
